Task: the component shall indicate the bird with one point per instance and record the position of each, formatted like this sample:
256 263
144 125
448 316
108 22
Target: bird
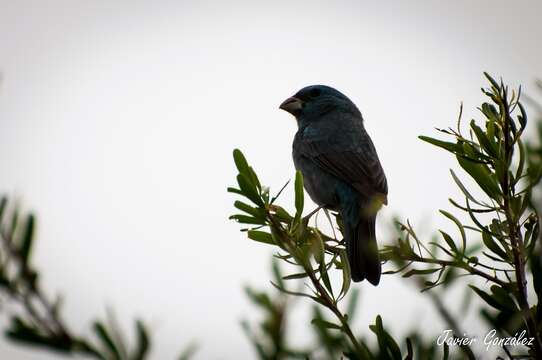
341 170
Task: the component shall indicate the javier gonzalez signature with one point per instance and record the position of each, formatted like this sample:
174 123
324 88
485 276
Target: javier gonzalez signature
491 339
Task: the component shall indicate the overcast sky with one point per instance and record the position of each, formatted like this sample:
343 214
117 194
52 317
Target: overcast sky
118 118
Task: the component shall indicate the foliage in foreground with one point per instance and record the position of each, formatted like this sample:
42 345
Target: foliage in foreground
498 245
40 323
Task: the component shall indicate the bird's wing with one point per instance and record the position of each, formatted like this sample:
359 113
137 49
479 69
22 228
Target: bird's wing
359 167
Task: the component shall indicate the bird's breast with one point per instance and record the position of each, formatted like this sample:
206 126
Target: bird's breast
320 185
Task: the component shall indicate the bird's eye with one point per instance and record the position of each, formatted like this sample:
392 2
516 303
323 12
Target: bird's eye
314 93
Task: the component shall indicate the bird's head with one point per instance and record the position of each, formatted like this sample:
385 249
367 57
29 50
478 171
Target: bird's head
313 101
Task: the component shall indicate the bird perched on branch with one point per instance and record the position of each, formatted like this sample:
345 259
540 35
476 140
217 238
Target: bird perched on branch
341 170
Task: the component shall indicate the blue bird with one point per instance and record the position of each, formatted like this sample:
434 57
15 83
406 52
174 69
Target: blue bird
341 170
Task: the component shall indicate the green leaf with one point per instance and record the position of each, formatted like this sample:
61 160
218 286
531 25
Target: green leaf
277 274
463 188
299 196
28 335
503 298
241 162
235 191
451 147
282 214
497 228
249 190
386 343
523 117
449 276
491 113
188 352
261 236
106 339
490 243
325 277
420 272
521 161
247 179
492 81
254 178
3 204
346 273
487 298
481 174
244 219
14 222
459 226
89 349
278 237
446 251
483 140
27 238
393 346
410 351
143 342
449 241
295 293
259 298
256 212
325 324
295 276
317 245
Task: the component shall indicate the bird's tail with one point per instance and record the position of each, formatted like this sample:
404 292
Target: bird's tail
362 250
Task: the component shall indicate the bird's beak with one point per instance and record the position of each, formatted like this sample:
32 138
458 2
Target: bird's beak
292 105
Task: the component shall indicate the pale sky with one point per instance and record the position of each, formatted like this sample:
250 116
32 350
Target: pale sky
118 119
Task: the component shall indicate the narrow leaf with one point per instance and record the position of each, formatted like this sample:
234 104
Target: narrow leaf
143 342
299 196
451 147
261 236
106 339
241 162
420 272
459 226
325 324
27 238
487 298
